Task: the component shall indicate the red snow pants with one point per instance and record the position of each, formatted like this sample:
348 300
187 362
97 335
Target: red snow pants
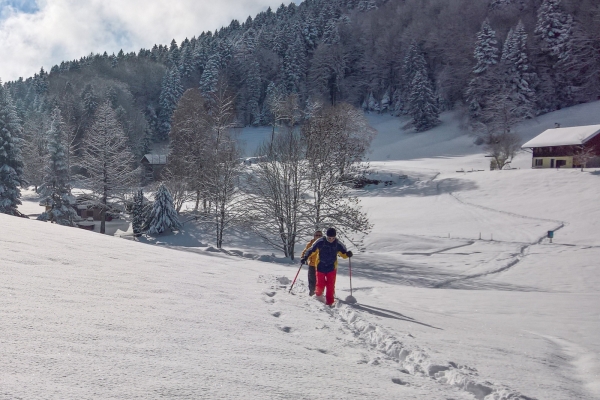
326 281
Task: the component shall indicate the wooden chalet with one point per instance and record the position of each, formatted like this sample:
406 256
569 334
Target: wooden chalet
560 147
88 209
154 164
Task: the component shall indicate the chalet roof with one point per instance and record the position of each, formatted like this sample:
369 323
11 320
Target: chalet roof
572 136
155 159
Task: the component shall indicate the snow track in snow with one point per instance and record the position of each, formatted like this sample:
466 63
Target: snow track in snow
411 359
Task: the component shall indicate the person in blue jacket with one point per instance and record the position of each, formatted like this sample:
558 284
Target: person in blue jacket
328 248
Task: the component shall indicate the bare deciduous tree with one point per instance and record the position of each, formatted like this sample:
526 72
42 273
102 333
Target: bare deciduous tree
583 155
189 139
277 185
337 139
221 183
496 129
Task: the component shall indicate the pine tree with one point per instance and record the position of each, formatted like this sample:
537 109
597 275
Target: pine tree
163 216
486 49
553 31
187 60
484 82
331 34
138 213
56 187
413 61
520 78
253 85
90 101
210 76
422 103
169 97
11 162
294 66
174 55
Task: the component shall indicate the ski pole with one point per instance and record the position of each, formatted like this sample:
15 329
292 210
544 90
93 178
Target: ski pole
350 270
290 291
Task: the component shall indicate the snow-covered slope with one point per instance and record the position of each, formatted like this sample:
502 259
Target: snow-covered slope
461 295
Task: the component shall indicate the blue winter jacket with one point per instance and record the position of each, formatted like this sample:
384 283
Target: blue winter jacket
328 253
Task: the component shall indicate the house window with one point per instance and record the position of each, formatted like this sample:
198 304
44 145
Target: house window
539 162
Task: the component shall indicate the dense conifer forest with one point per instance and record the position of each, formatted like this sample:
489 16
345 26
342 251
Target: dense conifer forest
307 71
397 56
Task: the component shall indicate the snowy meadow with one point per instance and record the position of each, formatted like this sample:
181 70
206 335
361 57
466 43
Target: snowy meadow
460 293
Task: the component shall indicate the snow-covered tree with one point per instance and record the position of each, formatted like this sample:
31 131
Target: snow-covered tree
554 34
520 77
174 55
484 82
422 103
138 213
35 147
56 187
169 96
486 49
107 160
294 65
210 75
11 162
163 216
252 93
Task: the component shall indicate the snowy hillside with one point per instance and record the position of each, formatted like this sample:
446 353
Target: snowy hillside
460 294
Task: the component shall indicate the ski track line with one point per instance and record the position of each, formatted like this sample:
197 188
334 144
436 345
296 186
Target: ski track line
517 259
412 360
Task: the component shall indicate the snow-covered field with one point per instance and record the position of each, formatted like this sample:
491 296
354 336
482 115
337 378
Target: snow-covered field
460 294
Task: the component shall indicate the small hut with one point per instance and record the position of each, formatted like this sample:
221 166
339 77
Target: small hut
154 164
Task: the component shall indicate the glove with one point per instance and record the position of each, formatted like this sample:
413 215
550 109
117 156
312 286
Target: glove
302 261
349 254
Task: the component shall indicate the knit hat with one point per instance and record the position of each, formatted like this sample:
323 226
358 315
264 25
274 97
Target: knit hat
331 232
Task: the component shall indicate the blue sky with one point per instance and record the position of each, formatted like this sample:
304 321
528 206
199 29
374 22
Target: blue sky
42 33
26 6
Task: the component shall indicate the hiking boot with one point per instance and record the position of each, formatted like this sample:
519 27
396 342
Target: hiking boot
311 293
320 297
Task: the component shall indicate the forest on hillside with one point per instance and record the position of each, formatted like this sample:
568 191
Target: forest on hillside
309 71
541 55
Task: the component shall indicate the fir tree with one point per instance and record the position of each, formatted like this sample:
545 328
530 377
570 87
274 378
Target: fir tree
138 213
174 55
56 187
210 76
163 216
253 85
413 61
484 82
520 78
169 96
11 162
553 32
294 65
486 49
422 103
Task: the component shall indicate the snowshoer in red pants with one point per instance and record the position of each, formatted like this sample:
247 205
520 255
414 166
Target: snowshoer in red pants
328 249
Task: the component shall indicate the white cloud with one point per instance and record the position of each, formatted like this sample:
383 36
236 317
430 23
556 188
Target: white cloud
64 30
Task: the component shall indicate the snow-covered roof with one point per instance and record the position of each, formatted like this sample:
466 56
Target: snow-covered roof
574 135
155 159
